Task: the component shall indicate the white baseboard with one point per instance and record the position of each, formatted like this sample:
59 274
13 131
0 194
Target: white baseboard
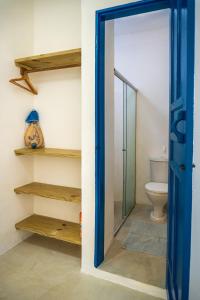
129 283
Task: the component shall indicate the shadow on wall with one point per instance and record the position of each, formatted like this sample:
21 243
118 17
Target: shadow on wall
152 136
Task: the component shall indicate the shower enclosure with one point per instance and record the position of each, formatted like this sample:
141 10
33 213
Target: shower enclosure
125 98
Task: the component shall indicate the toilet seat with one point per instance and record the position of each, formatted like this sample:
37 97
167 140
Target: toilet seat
157 187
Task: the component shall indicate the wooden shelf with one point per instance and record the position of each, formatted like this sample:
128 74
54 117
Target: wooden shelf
44 62
49 152
50 61
50 191
53 228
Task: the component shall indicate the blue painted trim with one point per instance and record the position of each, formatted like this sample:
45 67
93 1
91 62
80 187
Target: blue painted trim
169 285
99 140
189 133
101 16
133 8
113 13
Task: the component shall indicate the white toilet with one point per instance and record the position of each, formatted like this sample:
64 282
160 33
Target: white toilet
157 189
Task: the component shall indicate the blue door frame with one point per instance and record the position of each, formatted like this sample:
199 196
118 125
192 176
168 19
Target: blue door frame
134 8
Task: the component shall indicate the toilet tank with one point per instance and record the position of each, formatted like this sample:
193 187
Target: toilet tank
159 169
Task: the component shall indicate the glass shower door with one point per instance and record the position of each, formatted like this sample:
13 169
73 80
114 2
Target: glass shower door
129 149
118 154
124 172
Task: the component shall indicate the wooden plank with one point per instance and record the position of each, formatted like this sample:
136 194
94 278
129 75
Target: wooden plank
50 61
50 191
49 152
53 228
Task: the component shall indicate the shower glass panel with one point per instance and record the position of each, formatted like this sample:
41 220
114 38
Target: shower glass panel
130 147
118 154
124 149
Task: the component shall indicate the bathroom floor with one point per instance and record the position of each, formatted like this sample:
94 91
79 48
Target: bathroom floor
139 248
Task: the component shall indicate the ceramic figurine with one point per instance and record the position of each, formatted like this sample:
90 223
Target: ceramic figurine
33 136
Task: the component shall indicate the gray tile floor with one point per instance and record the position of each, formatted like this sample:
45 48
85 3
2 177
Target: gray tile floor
45 269
140 266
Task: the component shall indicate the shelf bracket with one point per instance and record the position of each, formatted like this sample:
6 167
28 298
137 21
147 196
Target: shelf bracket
30 88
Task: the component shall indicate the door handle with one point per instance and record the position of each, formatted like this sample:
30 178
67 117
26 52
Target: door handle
182 167
176 135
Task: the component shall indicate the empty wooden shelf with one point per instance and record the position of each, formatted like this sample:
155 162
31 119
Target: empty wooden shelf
53 228
50 191
50 61
49 152
45 62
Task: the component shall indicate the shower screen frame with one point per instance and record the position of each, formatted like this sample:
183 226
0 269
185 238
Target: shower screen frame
127 203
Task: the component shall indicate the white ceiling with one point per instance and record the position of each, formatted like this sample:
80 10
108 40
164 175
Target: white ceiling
143 22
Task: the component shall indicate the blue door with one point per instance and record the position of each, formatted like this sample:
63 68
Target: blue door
181 140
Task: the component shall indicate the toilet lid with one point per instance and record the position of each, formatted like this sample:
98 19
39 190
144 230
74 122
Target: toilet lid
157 187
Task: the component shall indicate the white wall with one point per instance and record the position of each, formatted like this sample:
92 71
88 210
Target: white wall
195 248
57 25
58 102
142 56
28 27
16 31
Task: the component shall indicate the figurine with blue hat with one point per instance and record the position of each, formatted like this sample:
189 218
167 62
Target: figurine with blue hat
33 136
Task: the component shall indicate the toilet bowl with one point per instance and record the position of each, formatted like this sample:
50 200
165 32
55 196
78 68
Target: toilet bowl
157 193
157 188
